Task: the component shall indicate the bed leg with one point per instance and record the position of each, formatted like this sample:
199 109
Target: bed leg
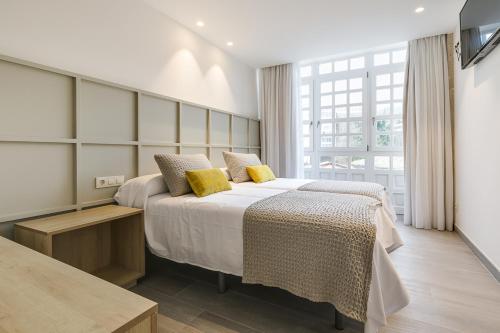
221 283
339 320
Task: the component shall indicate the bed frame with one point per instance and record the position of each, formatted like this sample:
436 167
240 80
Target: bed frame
222 287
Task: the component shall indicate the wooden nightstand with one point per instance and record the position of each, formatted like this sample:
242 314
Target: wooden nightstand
106 241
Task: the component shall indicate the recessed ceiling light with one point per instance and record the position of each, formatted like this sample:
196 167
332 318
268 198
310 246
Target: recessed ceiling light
419 10
229 44
200 23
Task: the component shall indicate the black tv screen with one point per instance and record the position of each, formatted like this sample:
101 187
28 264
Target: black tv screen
479 27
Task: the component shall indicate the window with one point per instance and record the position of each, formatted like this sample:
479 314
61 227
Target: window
352 124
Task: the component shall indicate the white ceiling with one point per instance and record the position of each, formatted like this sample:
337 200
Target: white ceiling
270 32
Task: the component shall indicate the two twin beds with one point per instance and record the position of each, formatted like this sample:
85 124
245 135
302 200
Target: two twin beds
208 232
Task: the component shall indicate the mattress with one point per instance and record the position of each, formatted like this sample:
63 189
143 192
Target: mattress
207 232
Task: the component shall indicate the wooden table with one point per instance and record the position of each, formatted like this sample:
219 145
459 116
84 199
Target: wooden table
106 241
40 294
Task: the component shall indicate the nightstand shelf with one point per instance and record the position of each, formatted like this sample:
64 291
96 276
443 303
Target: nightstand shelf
107 241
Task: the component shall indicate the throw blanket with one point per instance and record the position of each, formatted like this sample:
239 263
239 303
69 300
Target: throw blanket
372 190
316 245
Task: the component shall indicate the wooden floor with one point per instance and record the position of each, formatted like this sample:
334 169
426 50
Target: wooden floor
450 292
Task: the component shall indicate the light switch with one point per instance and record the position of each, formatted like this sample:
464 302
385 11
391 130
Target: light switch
120 180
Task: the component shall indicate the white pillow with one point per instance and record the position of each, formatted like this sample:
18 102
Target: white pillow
136 191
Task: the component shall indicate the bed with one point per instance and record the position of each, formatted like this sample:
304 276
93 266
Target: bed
207 232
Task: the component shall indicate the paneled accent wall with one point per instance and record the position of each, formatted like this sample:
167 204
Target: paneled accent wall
60 130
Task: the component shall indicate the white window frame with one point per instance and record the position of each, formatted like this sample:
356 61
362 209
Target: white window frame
391 178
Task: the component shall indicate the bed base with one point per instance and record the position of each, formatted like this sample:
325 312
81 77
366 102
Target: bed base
221 282
339 320
222 287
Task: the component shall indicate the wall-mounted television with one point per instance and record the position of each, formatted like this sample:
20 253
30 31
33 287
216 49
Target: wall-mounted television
479 30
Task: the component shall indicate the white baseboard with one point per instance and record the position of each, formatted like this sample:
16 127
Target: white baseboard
490 266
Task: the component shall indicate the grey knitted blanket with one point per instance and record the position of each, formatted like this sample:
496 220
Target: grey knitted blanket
316 245
372 190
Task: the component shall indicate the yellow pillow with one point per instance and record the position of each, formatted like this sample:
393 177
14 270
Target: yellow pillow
260 173
207 181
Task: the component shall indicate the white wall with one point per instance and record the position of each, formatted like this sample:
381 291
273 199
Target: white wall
477 153
127 42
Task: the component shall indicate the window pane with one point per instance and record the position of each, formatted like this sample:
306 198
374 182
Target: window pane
307 162
306 129
398 56
340 66
356 141
341 162
326 113
383 125
398 140
304 89
326 128
304 102
355 127
325 162
340 85
397 125
398 108
355 111
326 142
397 93
340 128
398 163
341 112
357 63
356 83
340 99
382 162
356 97
326 87
305 71
383 140
398 78
383 80
383 109
381 59
326 100
307 142
358 162
383 95
305 115
325 68
341 141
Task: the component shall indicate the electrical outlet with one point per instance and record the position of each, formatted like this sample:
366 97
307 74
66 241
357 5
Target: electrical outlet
101 182
109 181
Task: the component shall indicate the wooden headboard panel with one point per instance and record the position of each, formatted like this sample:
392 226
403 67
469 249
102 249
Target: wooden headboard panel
60 130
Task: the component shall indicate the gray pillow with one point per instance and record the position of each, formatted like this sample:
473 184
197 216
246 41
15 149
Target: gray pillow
225 171
237 165
174 167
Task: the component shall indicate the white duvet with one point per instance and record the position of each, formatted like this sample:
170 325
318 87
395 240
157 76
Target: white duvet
207 232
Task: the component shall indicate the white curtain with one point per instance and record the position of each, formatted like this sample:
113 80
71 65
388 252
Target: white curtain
428 136
279 120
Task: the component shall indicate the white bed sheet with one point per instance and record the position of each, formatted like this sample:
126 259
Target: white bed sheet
207 232
390 237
